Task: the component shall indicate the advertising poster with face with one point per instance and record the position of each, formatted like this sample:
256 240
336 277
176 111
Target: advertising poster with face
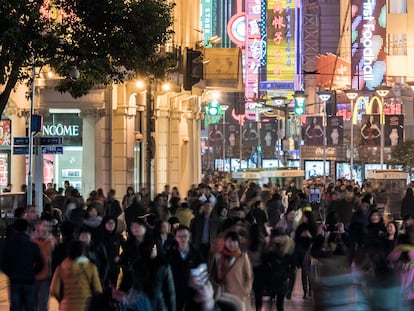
250 134
370 131
232 143
335 131
268 138
215 135
313 131
394 130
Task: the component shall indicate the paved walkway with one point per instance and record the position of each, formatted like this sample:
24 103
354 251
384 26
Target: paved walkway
295 304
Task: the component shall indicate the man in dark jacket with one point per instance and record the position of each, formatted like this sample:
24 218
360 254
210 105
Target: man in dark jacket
182 259
21 262
112 207
204 229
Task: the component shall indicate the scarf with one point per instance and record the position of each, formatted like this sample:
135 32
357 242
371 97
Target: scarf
228 258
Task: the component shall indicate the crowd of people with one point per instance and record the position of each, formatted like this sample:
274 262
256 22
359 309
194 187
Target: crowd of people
221 246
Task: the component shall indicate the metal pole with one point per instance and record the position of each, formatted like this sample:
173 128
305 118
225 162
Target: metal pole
148 156
382 139
258 148
224 140
30 160
324 142
240 140
352 140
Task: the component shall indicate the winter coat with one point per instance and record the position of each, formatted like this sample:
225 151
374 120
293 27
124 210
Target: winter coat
46 245
184 215
181 272
73 282
157 282
280 264
238 280
22 258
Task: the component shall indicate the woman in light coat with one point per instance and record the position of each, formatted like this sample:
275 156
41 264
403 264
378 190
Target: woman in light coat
231 271
75 280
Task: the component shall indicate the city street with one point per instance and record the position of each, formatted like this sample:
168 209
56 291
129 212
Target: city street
296 303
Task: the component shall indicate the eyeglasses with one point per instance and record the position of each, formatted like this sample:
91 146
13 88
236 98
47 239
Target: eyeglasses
182 236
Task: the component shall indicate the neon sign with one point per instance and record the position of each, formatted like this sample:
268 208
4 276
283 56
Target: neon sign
368 39
254 50
281 41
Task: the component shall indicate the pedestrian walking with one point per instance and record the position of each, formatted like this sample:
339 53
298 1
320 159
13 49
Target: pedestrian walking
22 260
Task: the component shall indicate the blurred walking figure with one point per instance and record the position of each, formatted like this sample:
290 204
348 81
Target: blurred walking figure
256 249
75 280
47 243
231 270
154 275
22 260
303 239
280 263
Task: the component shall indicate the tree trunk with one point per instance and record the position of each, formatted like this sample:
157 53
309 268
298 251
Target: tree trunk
11 83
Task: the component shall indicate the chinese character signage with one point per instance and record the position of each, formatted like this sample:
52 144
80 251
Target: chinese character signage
281 40
254 47
368 43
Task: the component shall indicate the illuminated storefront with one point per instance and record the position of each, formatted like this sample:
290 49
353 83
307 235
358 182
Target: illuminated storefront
67 166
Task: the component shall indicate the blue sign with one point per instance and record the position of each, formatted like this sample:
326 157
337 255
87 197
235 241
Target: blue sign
256 156
19 141
52 149
52 140
315 194
21 150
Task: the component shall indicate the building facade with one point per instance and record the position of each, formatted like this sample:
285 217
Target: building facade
104 141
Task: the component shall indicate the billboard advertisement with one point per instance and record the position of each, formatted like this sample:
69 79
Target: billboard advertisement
255 48
281 42
394 130
371 131
368 43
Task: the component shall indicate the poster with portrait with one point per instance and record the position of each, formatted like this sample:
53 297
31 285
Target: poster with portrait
215 135
232 143
313 131
393 130
334 130
250 134
268 137
370 130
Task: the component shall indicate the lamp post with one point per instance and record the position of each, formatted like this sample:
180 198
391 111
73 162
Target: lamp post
324 96
149 147
224 108
280 103
382 92
299 110
30 158
352 94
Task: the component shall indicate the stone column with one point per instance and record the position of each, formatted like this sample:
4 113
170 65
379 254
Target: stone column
17 162
123 139
88 159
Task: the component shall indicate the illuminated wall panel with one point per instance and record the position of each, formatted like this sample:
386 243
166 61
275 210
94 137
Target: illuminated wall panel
253 48
368 43
281 43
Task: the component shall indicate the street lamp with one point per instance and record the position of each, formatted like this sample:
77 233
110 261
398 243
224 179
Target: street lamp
352 94
280 103
224 108
324 96
382 91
